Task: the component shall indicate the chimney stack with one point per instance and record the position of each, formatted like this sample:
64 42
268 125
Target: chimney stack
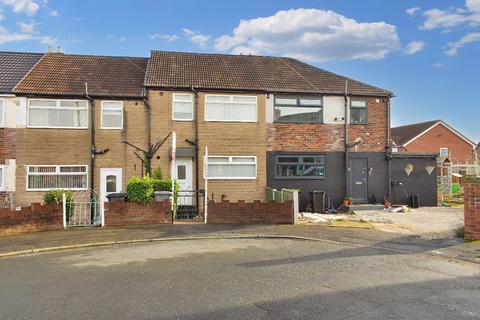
59 50
50 50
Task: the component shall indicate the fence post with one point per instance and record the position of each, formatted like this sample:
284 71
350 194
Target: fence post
64 207
295 207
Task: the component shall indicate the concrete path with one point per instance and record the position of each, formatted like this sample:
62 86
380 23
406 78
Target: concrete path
450 248
238 279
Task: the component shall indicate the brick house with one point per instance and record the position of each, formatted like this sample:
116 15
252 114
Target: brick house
267 121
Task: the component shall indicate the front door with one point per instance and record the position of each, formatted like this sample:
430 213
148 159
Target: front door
111 182
184 177
359 180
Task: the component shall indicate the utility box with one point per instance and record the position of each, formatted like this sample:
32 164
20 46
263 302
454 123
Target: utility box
318 201
414 201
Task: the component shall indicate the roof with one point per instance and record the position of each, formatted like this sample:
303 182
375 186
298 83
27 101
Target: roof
248 72
403 135
66 74
14 66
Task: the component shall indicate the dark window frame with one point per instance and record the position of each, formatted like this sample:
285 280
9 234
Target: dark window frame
300 162
297 98
351 107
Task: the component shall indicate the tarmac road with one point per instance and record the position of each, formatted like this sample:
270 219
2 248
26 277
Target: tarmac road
238 279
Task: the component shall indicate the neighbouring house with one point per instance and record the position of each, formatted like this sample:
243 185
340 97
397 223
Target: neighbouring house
457 154
92 122
14 66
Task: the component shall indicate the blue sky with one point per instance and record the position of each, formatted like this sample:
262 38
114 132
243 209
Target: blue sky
427 52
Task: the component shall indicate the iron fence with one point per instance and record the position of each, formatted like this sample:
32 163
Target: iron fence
189 204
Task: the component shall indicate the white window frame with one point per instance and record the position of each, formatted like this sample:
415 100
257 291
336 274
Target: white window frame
444 148
3 111
102 110
57 101
230 163
231 101
56 173
3 168
173 105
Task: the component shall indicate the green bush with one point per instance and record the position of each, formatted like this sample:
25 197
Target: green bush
56 196
139 190
157 173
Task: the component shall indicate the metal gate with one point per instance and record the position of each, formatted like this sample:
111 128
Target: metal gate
82 209
189 205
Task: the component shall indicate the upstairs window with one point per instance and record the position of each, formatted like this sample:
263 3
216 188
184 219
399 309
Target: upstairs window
444 152
182 107
231 108
2 112
44 178
232 167
112 115
45 113
2 177
358 111
298 110
300 167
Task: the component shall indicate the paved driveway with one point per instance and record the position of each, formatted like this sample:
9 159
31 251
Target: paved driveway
238 279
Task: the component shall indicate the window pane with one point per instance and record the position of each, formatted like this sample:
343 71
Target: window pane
41 169
300 167
359 104
43 103
218 159
218 98
112 119
72 118
182 97
73 104
299 114
183 110
181 172
231 171
310 102
111 183
73 169
288 101
112 105
245 100
358 115
47 177
1 178
243 159
43 117
288 159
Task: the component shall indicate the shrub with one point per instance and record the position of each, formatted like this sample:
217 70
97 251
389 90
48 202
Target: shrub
139 190
157 173
56 196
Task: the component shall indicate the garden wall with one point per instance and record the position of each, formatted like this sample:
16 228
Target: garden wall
472 211
121 213
37 217
258 212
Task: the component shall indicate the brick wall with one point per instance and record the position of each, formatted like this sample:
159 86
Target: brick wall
121 213
258 212
34 218
296 137
472 211
441 137
7 144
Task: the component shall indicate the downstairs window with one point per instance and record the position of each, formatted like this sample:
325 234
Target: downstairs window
44 178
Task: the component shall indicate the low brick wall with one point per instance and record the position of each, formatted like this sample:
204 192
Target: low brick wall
472 211
258 212
37 217
121 213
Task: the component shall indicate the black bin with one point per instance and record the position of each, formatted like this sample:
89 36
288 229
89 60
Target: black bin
414 201
318 201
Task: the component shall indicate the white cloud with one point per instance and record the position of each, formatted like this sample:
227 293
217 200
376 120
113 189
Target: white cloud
414 47
412 11
313 35
453 17
47 40
54 13
166 37
29 7
438 64
7 36
27 27
196 37
454 47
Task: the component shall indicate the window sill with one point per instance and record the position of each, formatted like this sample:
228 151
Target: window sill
60 128
292 122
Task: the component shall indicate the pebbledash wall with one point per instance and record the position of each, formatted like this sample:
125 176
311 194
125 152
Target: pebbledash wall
472 211
328 139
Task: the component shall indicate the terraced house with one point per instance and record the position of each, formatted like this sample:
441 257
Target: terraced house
88 122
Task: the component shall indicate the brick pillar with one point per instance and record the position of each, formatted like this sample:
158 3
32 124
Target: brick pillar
472 211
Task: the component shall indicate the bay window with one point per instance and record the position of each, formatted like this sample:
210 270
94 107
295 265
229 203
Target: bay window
47 113
231 108
298 110
47 177
232 167
112 115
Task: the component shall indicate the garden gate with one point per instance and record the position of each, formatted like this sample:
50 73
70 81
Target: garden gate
82 209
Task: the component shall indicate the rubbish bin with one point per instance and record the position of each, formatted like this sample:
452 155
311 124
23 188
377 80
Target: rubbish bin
414 201
116 197
318 201
161 196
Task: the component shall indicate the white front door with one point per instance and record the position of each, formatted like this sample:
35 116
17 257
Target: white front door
184 177
111 182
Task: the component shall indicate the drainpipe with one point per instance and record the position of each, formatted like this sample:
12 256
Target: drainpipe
195 115
347 189
149 127
389 151
92 138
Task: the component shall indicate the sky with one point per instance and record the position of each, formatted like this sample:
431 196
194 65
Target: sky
426 52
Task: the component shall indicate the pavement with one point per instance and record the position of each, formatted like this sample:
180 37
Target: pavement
250 278
449 248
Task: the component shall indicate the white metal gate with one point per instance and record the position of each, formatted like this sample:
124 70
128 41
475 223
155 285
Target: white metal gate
82 209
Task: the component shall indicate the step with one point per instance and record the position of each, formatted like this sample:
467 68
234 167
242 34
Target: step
363 207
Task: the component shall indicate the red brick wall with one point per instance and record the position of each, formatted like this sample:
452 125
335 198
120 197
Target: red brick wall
240 212
7 144
439 137
472 211
120 213
34 218
330 137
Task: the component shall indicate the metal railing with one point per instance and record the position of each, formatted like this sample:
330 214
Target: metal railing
189 204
